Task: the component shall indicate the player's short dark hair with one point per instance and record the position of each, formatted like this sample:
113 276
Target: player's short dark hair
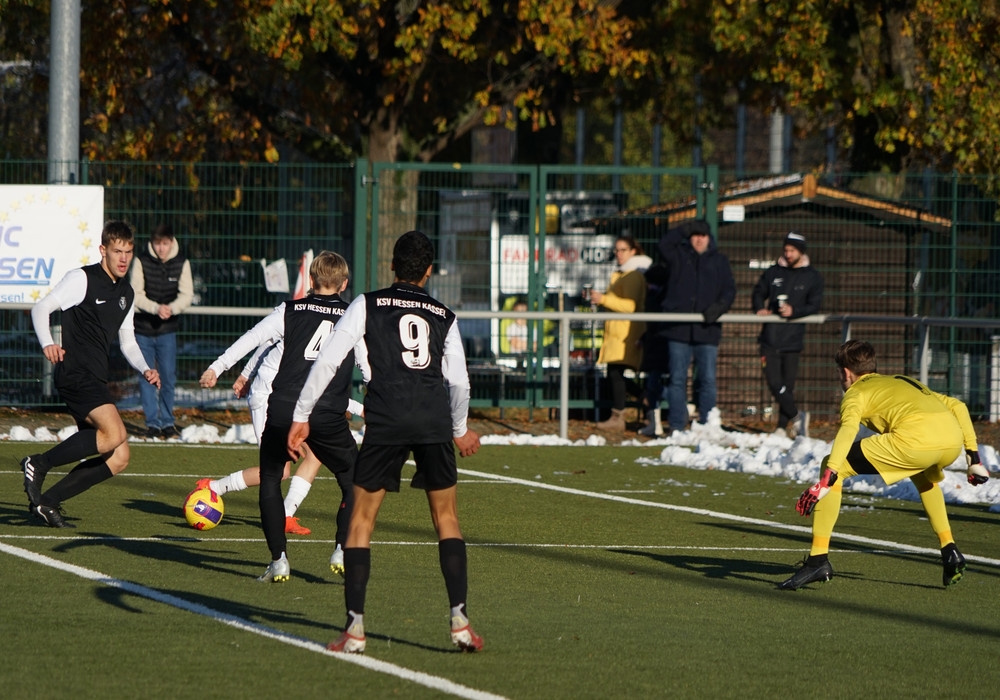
162 231
857 356
411 256
117 231
329 270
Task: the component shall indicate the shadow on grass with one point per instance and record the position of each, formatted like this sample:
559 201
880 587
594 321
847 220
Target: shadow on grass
232 611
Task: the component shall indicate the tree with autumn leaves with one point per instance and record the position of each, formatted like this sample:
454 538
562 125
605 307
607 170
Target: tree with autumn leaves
904 84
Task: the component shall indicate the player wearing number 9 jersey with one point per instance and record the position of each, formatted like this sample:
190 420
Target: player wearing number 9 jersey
417 402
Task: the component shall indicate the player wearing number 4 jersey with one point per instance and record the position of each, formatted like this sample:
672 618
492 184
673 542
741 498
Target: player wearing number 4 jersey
254 384
417 401
304 325
919 433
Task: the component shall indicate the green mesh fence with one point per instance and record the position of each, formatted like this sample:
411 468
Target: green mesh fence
532 237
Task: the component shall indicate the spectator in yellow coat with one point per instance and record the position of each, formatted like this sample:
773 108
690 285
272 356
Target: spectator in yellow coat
621 348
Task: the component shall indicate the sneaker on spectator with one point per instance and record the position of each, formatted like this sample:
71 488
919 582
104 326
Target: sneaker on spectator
802 424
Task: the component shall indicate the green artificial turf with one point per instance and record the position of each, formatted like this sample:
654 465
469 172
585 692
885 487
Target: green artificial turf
590 575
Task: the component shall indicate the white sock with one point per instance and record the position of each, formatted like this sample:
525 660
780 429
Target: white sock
297 492
233 482
458 616
356 623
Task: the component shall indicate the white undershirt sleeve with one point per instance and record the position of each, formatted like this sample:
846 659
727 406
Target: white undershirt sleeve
270 329
456 377
70 291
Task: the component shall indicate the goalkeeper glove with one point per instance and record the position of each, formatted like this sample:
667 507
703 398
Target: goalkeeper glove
976 472
809 497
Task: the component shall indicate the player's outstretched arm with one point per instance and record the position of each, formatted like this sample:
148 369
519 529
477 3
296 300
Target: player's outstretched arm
468 444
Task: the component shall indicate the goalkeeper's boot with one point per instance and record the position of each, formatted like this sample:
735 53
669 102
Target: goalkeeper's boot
293 527
953 563
812 570
337 561
463 636
278 571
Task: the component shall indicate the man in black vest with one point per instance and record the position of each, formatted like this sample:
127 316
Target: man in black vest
163 289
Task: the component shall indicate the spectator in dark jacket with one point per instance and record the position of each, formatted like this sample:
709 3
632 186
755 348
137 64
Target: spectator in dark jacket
791 289
695 278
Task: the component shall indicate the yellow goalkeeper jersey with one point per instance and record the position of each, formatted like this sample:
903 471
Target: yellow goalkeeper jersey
918 419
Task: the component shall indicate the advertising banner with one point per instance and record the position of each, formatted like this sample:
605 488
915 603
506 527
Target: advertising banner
45 231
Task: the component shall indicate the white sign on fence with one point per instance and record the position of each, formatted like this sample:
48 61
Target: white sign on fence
45 231
571 261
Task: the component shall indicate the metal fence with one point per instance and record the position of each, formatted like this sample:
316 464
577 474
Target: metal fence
900 246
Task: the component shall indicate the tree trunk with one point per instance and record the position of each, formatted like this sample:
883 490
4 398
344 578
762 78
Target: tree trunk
395 196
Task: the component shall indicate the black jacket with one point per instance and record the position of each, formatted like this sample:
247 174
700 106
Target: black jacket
804 287
691 283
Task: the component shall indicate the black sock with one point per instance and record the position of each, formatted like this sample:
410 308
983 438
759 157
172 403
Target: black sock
817 559
77 446
357 569
83 476
272 513
454 566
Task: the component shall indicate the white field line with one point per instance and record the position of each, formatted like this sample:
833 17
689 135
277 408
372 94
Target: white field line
481 477
885 544
421 678
434 682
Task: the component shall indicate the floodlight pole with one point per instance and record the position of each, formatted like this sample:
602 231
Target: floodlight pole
64 93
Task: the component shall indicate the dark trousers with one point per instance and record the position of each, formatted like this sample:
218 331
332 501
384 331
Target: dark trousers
780 371
620 386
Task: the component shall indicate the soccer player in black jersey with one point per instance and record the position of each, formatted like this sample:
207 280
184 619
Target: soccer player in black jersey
96 304
417 401
303 325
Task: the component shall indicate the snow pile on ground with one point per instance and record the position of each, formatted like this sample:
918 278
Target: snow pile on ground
703 446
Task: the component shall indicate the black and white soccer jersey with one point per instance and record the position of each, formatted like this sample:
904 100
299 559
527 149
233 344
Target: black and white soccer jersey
92 324
308 322
417 380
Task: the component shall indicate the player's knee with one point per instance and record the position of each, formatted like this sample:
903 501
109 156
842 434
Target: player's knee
110 439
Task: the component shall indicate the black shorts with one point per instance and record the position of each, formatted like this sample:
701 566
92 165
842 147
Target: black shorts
330 439
81 393
380 466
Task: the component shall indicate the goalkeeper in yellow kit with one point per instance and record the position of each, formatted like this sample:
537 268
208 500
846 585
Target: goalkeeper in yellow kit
920 433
